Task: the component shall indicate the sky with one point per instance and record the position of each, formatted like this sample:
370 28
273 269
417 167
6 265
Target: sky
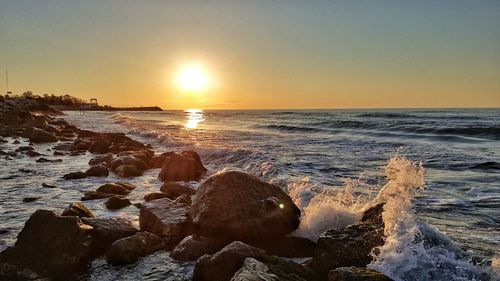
257 54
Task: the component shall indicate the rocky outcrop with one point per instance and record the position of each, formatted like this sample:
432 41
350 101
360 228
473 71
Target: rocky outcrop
79 210
51 245
128 171
349 246
193 246
288 246
174 190
168 219
270 269
97 171
237 206
184 166
117 202
107 230
36 135
356 274
128 250
222 265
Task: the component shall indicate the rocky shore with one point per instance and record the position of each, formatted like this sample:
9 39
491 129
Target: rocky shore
233 226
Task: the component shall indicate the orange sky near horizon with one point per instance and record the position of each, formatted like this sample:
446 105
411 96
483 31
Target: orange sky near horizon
257 54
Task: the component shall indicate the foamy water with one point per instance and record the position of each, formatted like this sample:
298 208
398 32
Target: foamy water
335 164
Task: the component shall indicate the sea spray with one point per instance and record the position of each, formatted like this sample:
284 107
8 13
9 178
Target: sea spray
413 251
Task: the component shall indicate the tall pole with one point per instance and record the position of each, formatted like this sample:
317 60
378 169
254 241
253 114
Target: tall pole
7 80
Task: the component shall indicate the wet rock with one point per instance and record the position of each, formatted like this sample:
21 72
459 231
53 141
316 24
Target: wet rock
271 269
57 153
487 166
92 195
193 246
184 166
54 246
128 171
154 196
254 270
36 135
30 199
128 160
156 162
100 146
351 245
45 160
167 219
79 210
117 202
184 199
237 206
223 265
48 185
63 147
32 153
117 188
174 190
97 171
130 249
356 274
289 247
16 142
106 159
2 140
75 175
107 230
24 149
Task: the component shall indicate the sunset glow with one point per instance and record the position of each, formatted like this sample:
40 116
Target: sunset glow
192 78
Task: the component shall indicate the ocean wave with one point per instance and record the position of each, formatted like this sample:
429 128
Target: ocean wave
289 128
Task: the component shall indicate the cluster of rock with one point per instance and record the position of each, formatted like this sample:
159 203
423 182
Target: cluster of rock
234 226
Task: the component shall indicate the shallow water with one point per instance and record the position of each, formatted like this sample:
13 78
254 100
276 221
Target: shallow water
331 162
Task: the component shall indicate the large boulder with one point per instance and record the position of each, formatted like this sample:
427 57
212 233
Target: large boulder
36 135
184 166
351 245
104 159
288 246
107 230
117 188
193 246
117 202
168 219
356 274
128 250
79 210
128 171
236 206
51 245
270 269
222 265
174 190
97 171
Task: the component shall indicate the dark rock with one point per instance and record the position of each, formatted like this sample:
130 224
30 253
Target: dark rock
351 245
487 166
277 270
128 171
192 247
130 161
48 185
184 199
97 171
156 162
30 199
79 210
75 175
222 265
54 246
356 274
45 160
175 190
237 206
154 196
32 153
107 230
128 250
106 159
167 219
117 188
184 166
117 202
25 148
100 146
92 195
63 147
289 247
57 153
36 135
16 142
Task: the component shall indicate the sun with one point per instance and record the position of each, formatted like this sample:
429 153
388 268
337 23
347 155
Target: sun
192 78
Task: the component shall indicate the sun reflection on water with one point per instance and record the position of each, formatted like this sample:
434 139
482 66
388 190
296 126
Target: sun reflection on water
194 117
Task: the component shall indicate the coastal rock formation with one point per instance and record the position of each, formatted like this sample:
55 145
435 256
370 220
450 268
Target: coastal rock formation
289 247
128 171
128 250
193 246
53 246
97 171
184 166
356 274
168 219
174 190
117 202
155 195
79 210
36 135
351 245
254 270
222 265
237 206
75 175
105 231
117 188
106 159
270 269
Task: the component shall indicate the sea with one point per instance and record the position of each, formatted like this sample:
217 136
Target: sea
438 170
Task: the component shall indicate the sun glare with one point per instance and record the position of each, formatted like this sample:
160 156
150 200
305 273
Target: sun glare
192 78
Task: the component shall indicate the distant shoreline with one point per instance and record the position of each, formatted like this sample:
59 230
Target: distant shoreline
109 108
